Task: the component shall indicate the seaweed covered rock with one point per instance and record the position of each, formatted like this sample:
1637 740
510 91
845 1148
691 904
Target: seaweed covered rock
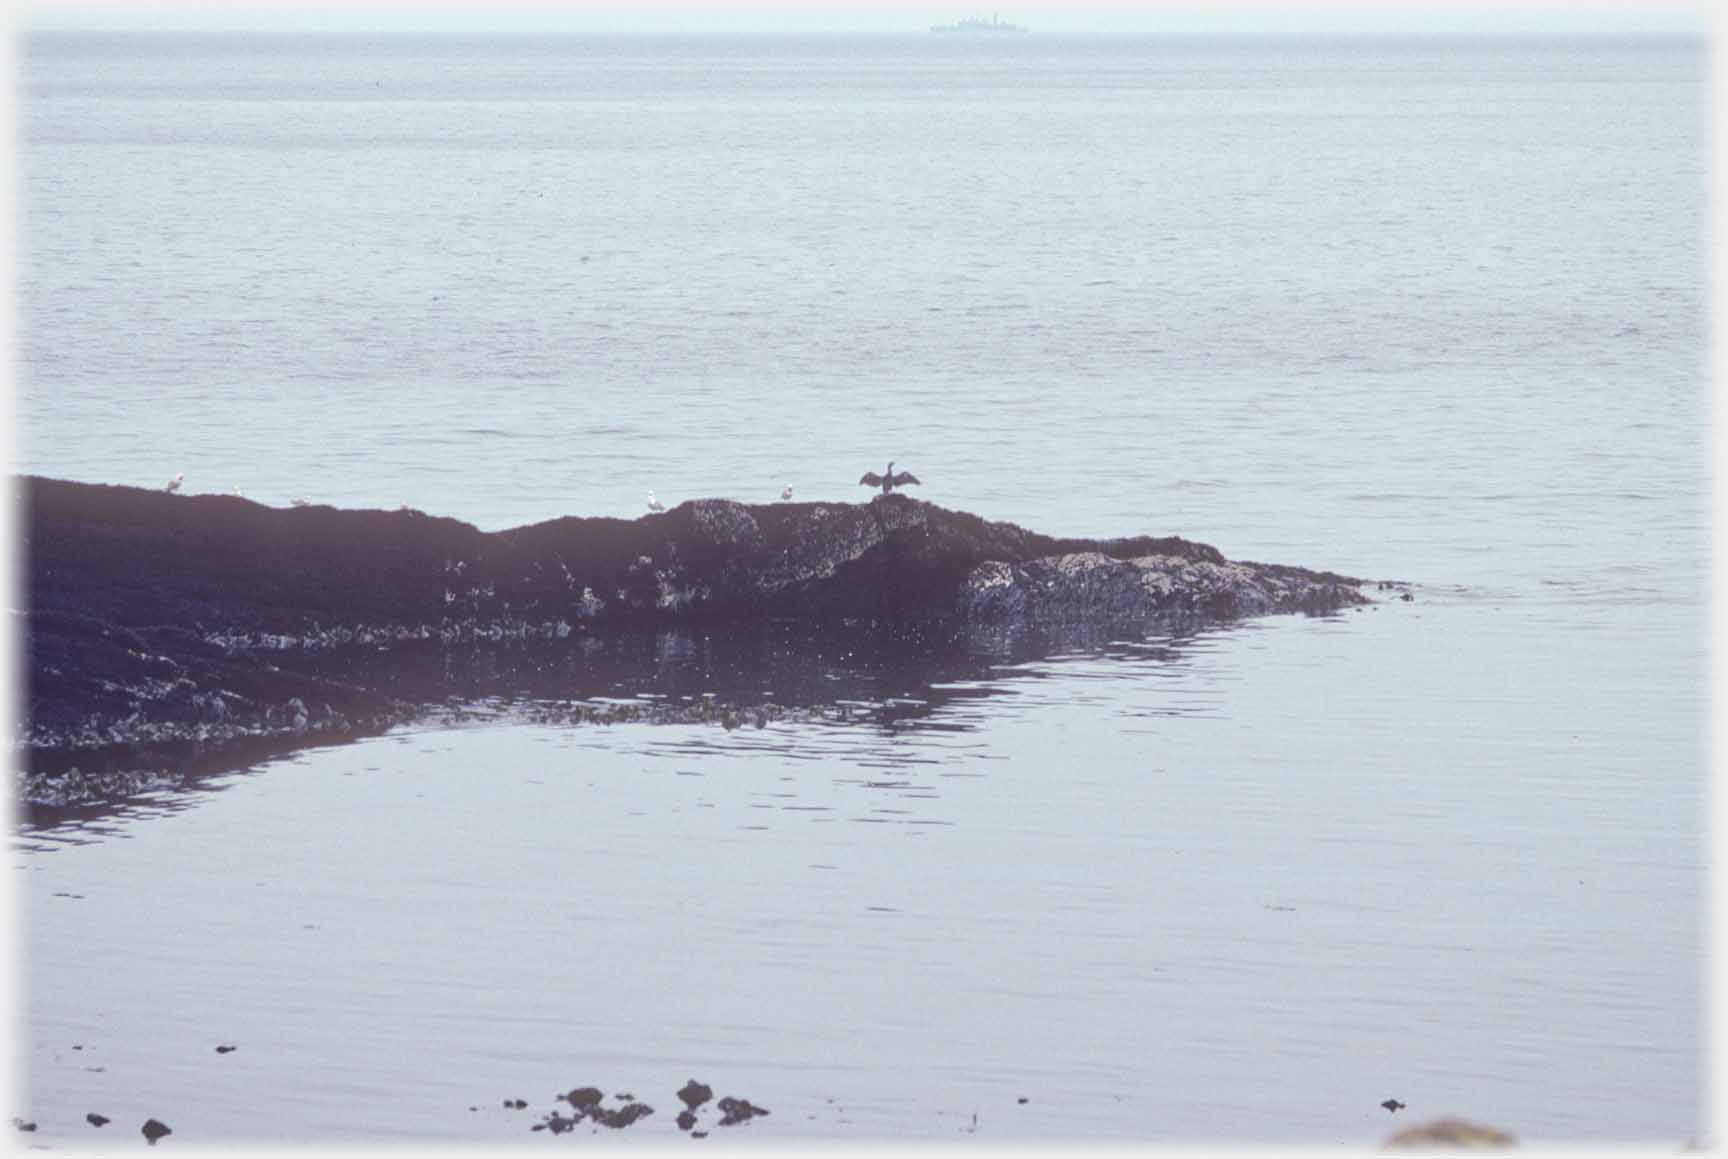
171 631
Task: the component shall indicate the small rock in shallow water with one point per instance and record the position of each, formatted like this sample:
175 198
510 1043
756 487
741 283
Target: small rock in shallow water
582 1098
154 1129
1452 1134
22 1125
1393 1105
695 1094
734 1111
226 1049
515 1104
96 1120
558 1123
686 1120
622 1117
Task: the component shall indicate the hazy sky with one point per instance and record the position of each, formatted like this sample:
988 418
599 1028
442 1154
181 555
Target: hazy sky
892 16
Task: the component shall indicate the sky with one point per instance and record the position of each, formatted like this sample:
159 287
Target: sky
1385 17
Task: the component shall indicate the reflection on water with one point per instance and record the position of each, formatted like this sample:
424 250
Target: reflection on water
1128 883
892 678
791 663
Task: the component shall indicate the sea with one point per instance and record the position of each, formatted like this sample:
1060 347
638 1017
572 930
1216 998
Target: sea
1428 310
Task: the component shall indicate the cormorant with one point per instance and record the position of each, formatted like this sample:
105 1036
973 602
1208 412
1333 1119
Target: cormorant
889 481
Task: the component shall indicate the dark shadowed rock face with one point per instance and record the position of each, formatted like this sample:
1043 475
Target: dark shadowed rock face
230 571
234 630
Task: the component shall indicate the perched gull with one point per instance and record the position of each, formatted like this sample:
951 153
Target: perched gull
174 483
889 481
655 504
300 501
786 492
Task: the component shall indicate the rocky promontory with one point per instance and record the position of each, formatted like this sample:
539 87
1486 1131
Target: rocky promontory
153 620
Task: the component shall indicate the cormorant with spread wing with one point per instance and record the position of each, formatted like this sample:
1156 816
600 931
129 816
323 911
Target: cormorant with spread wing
889 481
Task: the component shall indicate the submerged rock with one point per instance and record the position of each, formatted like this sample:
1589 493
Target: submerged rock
1452 1134
558 1124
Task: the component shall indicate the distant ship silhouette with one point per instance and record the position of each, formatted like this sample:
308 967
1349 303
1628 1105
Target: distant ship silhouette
978 24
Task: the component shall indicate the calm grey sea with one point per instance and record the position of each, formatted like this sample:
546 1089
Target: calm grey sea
1431 311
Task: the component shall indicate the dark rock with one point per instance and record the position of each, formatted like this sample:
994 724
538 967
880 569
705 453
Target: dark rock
166 635
1023 1100
22 1125
515 1104
96 1120
622 1117
686 1119
1393 1105
226 1049
1094 585
154 1129
735 1111
694 1094
584 1098
558 1124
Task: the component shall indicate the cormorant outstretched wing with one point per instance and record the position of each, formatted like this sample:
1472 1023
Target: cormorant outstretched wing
901 478
871 480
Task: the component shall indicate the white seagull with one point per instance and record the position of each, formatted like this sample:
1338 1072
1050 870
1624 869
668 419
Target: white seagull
655 504
300 501
174 483
786 492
